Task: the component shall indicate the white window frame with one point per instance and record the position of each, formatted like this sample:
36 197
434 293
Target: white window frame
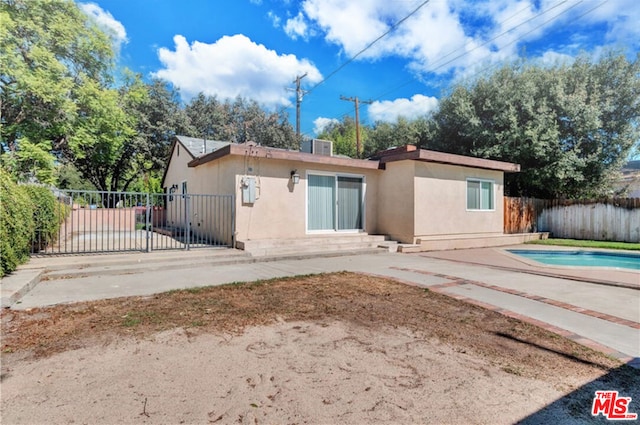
493 194
336 175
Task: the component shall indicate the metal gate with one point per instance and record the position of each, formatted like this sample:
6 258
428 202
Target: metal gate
98 222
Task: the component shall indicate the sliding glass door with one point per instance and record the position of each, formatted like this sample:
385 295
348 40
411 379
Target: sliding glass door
349 203
321 203
334 203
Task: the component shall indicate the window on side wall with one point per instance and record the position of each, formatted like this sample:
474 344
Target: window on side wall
480 195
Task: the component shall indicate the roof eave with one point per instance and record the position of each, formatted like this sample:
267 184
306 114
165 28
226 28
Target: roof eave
453 159
263 152
171 149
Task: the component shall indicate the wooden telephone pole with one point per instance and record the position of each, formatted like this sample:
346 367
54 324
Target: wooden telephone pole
299 94
357 102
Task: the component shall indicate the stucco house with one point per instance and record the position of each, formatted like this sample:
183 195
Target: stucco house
431 200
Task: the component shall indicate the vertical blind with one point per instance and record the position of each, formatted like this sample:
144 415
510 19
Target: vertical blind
321 202
349 203
332 207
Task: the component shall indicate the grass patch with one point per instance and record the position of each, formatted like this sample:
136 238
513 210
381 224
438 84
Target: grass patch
588 244
135 318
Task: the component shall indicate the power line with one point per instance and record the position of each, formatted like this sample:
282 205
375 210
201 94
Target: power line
506 45
368 46
488 41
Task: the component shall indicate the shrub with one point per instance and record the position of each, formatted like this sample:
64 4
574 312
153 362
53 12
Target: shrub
45 216
16 224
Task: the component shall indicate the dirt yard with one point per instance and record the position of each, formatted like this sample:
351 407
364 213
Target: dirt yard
337 348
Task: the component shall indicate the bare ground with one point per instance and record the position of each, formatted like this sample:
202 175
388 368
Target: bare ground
334 348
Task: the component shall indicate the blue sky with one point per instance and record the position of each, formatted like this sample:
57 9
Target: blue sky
256 48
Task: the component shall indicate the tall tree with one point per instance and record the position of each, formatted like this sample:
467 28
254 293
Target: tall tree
343 135
208 118
569 126
159 116
49 50
384 135
239 120
100 144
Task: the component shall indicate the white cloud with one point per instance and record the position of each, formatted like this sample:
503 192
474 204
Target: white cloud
554 58
320 123
349 24
106 22
453 35
391 110
275 19
622 17
296 27
233 66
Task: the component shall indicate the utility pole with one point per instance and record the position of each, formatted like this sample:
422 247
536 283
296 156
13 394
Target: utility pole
357 101
299 94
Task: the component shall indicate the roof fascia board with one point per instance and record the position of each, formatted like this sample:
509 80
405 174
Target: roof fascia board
258 151
453 159
175 141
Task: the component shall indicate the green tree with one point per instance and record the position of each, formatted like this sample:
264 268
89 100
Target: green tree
239 120
101 143
385 135
343 135
49 50
208 118
569 126
159 116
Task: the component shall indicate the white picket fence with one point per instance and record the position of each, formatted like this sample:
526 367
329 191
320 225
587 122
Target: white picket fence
615 220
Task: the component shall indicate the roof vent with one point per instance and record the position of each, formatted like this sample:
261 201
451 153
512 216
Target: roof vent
317 147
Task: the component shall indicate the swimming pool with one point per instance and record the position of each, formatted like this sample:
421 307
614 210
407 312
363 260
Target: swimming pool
582 258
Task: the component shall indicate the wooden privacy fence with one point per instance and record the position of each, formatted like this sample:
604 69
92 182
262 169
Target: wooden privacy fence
521 214
615 219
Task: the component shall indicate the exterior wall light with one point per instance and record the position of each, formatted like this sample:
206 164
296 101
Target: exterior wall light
295 177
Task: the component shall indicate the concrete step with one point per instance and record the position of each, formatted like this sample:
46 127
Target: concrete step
134 263
319 240
80 261
408 248
143 266
391 246
448 242
312 249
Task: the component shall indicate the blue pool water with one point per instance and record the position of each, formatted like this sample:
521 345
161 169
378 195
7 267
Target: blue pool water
582 258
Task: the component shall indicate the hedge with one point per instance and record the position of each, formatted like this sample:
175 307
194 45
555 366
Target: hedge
16 224
45 216
28 220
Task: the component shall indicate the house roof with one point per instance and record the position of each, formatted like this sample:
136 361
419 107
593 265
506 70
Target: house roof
408 152
195 147
411 152
249 149
198 146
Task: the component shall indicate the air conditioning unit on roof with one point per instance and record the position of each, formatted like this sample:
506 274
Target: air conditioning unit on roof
317 147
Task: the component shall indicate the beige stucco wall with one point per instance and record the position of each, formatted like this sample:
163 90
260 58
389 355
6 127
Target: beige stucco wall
279 211
396 201
178 170
441 201
407 201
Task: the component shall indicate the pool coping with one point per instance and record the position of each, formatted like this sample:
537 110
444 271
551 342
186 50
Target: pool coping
500 258
538 264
